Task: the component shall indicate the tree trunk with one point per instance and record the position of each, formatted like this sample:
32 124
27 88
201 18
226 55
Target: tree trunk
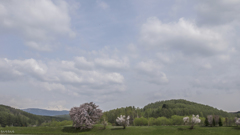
192 126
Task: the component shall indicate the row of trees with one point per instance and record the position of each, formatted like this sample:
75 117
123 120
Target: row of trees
161 121
213 122
85 116
7 119
175 120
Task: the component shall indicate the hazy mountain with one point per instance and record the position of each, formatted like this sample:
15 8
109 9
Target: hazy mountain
44 112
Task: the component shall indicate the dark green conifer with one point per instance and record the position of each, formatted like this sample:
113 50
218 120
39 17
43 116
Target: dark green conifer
220 122
206 122
213 122
4 121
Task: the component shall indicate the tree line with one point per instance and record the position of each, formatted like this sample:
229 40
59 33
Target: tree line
165 109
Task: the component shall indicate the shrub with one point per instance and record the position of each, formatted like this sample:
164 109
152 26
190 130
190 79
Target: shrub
177 120
151 121
141 121
220 122
162 121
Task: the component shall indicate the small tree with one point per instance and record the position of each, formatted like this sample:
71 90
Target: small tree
195 120
3 121
85 116
237 121
210 120
123 121
220 122
105 123
206 121
213 122
226 121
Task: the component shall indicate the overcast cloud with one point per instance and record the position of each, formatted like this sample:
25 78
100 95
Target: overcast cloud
60 54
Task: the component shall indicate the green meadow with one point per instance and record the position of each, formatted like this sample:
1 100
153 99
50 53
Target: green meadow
131 130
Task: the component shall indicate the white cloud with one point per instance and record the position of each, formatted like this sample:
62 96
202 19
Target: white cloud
148 66
50 86
182 36
13 69
57 105
112 63
82 63
218 12
163 57
207 66
151 72
102 4
37 46
61 75
18 102
38 22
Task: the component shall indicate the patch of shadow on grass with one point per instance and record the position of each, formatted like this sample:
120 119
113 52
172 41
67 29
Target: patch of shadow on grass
101 128
74 130
183 129
237 128
117 129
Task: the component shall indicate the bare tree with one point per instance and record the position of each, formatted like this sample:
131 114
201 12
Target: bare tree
85 116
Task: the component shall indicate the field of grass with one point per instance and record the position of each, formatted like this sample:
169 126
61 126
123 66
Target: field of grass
137 130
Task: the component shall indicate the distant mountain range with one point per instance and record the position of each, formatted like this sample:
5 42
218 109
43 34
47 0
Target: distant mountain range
44 112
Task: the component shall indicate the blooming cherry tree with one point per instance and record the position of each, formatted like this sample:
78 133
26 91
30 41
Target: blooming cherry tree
85 116
185 120
123 121
195 120
237 121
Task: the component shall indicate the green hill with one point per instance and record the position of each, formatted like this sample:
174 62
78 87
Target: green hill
182 107
65 116
15 117
167 109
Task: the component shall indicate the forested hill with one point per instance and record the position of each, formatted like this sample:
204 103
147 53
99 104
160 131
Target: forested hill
182 107
167 109
15 117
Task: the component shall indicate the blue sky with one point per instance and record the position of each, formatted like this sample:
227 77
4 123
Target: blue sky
60 54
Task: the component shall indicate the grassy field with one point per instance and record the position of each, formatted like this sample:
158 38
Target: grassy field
142 130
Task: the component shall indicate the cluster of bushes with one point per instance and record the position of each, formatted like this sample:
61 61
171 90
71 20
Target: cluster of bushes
174 120
57 123
178 120
228 121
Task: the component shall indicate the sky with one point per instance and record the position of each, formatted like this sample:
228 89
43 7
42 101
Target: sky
59 54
